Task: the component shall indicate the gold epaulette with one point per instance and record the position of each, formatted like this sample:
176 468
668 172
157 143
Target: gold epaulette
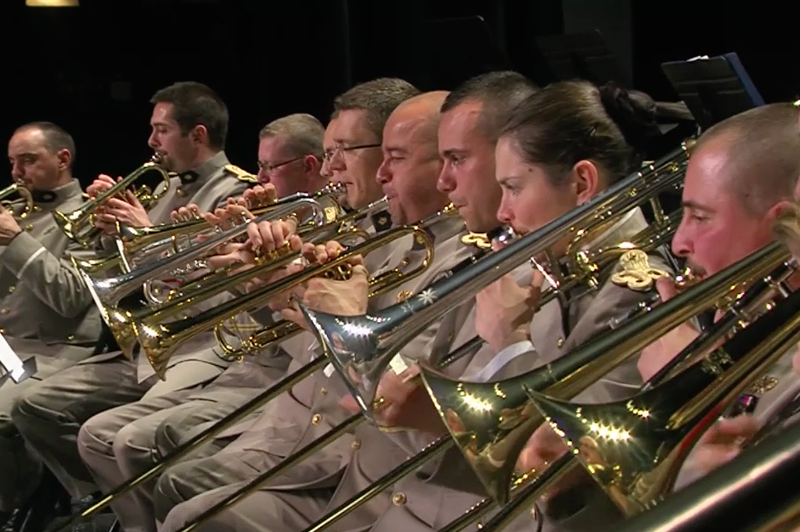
241 175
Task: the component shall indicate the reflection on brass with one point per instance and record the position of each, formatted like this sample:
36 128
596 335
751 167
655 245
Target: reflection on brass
764 384
716 362
636 272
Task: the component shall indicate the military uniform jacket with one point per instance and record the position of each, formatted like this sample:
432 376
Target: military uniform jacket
45 310
208 186
312 408
446 488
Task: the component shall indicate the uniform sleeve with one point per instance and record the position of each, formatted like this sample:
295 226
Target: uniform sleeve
51 278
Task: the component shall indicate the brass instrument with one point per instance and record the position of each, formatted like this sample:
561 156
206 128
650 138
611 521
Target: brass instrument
107 293
78 224
381 336
634 448
18 187
749 494
147 240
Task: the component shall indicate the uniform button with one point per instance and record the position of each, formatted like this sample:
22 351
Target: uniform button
399 499
2 331
323 391
356 444
560 342
180 192
70 338
29 227
11 289
4 311
36 208
315 419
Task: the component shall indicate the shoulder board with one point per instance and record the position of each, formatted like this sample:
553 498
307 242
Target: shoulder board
241 175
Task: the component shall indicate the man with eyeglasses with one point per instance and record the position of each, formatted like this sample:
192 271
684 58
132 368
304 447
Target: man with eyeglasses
121 442
289 154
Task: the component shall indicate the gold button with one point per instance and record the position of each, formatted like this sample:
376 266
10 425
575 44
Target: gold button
404 262
316 418
11 289
70 338
356 444
2 331
4 311
399 499
29 227
560 342
36 208
323 391
180 192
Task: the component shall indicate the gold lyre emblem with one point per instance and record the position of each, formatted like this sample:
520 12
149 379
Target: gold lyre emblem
402 295
636 272
479 240
764 384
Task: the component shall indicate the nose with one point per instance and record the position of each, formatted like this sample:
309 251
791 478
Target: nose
505 213
263 176
151 141
383 175
681 242
446 183
16 171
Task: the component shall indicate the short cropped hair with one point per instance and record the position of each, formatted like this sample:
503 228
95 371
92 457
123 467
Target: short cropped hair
302 133
378 98
196 104
55 137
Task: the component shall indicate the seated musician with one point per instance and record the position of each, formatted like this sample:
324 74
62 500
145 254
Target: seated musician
47 316
120 443
740 176
189 127
408 176
561 146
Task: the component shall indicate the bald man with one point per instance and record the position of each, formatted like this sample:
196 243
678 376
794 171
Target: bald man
408 176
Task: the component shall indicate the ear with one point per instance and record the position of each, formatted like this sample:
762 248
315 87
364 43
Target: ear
64 159
199 134
585 180
311 164
776 210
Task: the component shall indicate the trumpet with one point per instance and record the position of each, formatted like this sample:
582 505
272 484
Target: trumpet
147 240
380 337
18 187
160 338
78 224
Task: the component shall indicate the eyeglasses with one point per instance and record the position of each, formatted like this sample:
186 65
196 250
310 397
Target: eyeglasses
328 154
270 167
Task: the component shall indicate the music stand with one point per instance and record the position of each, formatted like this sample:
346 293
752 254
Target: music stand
714 88
578 56
455 49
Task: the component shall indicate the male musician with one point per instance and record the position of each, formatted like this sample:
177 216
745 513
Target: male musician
47 314
189 126
120 443
408 176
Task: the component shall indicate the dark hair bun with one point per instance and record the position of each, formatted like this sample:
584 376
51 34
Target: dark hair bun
634 113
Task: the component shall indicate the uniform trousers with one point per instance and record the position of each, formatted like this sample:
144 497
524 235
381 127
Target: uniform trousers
126 441
50 413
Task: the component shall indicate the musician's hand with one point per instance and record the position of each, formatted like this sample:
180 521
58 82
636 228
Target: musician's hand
722 442
656 355
185 214
504 310
543 448
344 297
9 228
129 211
258 196
100 185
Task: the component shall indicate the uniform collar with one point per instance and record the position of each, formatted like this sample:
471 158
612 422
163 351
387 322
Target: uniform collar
442 229
205 170
57 195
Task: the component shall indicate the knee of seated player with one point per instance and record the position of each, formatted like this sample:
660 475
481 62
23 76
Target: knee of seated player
31 406
168 492
133 441
167 437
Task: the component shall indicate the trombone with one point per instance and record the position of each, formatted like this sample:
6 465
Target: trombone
18 187
78 224
491 437
381 336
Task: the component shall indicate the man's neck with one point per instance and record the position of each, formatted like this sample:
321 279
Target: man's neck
202 156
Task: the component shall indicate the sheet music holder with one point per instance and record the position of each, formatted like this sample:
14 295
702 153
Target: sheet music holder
714 88
12 366
578 56
455 49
